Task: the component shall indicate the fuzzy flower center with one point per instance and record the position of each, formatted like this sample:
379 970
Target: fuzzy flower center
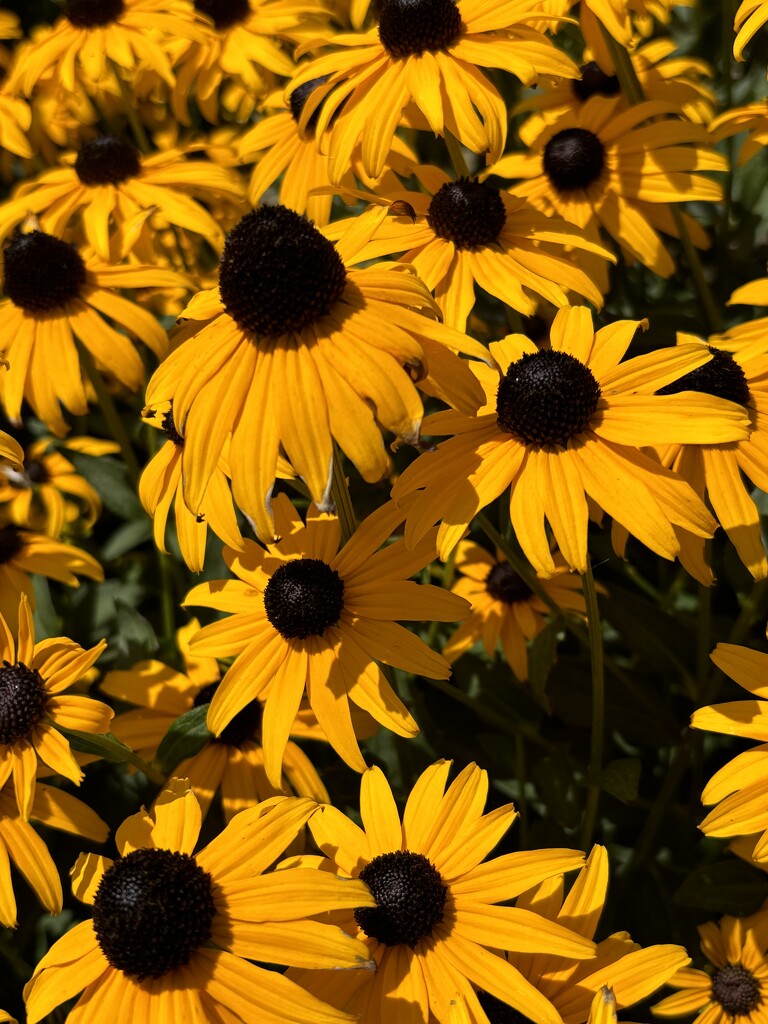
573 159
11 543
467 213
278 273
225 13
42 273
736 989
721 376
303 598
22 701
546 398
169 428
594 82
245 727
504 584
409 27
152 910
93 13
410 896
36 471
108 160
500 1013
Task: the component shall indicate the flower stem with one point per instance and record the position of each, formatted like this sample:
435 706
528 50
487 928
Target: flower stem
111 415
598 706
457 157
633 90
139 133
342 498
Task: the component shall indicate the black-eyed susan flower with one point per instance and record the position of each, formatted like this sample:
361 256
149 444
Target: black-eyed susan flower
601 165
718 470
748 20
751 118
563 424
233 763
107 184
194 917
33 704
626 20
633 973
249 42
504 608
91 34
739 788
160 486
747 339
299 349
437 925
465 233
23 552
48 494
10 451
54 296
27 850
734 988
306 616
428 53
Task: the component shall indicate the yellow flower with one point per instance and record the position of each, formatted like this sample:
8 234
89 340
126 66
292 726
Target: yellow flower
298 349
598 165
626 19
563 424
751 118
750 17
32 705
23 552
305 615
179 955
26 849
429 54
735 989
747 339
437 924
55 296
91 33
504 608
739 788
233 763
48 494
118 192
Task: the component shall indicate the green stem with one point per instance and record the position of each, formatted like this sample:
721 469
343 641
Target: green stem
633 90
681 760
446 579
522 778
111 415
457 157
139 133
598 706
521 567
342 498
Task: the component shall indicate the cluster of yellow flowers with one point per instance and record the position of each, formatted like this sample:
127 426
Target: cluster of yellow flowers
299 235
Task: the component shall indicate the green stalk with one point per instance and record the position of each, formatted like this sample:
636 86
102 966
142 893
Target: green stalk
598 706
342 498
633 90
111 415
457 157
139 132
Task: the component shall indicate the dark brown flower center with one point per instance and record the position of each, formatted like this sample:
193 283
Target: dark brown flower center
594 82
225 13
573 159
467 213
93 13
299 97
722 377
11 543
106 161
412 26
245 727
152 910
42 273
736 989
410 897
22 701
546 398
500 1013
36 471
303 598
504 584
278 273
169 427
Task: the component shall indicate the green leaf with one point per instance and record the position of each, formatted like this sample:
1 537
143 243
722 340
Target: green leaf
620 778
185 738
110 748
126 538
110 478
725 887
